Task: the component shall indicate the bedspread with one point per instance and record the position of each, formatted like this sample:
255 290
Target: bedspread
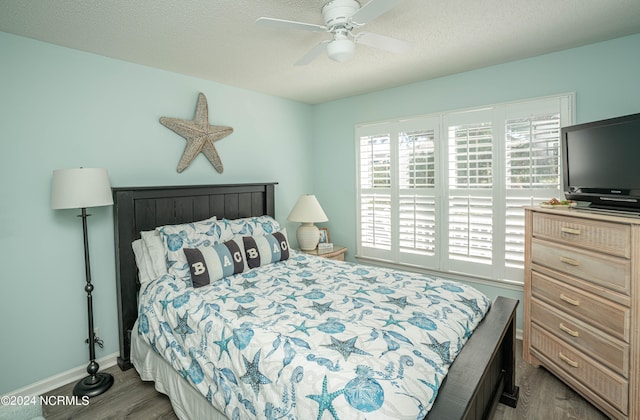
313 338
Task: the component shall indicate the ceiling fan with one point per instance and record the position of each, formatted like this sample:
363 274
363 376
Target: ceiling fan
342 18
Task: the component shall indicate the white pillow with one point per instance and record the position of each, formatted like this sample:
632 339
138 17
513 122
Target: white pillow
155 248
143 262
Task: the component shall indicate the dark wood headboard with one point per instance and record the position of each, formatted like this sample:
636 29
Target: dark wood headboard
138 209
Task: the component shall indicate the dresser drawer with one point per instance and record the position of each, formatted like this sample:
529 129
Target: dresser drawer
601 380
609 351
608 237
604 270
603 314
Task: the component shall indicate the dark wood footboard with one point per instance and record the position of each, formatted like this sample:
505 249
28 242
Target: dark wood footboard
483 374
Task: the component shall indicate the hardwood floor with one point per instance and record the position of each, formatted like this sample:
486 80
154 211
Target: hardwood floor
128 398
542 397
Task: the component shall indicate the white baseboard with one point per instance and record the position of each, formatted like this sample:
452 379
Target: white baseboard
63 378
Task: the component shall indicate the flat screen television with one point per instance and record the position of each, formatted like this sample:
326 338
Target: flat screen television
601 163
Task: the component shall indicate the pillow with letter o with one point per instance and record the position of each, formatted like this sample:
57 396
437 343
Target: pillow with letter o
212 263
266 249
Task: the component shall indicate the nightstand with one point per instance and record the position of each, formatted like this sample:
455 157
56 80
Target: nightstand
335 253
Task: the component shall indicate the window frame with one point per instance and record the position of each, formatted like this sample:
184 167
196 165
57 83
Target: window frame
501 269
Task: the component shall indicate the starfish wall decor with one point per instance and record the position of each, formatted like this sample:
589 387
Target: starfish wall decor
199 134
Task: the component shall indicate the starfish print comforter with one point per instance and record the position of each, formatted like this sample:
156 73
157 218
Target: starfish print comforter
313 338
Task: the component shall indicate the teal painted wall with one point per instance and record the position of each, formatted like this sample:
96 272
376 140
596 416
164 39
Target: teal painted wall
61 108
605 77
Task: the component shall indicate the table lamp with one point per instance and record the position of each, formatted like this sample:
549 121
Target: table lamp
307 211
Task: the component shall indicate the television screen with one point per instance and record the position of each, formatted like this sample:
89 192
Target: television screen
602 162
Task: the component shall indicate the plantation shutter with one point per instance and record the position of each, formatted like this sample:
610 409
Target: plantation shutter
470 192
375 205
416 202
532 169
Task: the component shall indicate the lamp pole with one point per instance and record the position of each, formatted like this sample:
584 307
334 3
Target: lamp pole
97 382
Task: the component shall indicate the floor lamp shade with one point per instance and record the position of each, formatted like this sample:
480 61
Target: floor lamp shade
78 189
307 211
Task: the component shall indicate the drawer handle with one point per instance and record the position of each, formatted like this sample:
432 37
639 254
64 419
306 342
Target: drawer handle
570 231
567 360
569 330
574 302
570 261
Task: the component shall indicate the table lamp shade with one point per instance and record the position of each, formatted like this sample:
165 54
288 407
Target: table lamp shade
80 188
307 210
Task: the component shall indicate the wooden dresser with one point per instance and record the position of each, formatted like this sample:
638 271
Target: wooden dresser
581 304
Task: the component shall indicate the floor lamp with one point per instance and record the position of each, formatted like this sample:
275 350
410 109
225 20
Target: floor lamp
80 188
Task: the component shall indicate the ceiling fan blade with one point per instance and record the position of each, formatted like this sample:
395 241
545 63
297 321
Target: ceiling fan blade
394 45
290 24
312 54
372 10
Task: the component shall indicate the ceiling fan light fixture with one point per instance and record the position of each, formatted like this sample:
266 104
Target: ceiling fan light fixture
343 19
341 50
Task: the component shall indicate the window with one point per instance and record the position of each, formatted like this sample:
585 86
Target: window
446 192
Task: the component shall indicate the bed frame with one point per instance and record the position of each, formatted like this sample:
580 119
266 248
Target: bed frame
482 375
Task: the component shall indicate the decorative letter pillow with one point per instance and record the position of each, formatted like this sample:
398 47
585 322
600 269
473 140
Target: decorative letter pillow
190 235
210 263
266 249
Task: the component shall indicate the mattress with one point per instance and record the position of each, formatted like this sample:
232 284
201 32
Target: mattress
307 337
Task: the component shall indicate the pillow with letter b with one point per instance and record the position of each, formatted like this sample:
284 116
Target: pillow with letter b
266 249
211 263
190 235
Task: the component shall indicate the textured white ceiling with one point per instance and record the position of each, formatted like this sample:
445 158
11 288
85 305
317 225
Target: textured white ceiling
219 40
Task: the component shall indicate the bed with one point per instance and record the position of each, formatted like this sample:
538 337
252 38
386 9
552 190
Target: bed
482 374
